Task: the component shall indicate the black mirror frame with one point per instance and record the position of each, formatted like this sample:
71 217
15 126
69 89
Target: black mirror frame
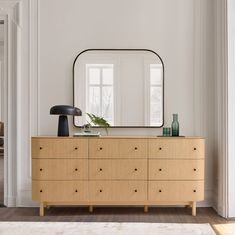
163 82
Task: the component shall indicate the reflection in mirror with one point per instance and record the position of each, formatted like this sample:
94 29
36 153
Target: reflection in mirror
123 86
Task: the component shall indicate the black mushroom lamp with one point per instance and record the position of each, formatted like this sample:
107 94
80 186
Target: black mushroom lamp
63 111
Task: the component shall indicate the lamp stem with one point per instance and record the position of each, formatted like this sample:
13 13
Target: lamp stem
63 126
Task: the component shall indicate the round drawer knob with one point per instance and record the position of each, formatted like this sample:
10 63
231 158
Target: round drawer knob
40 191
160 148
136 169
40 169
76 148
160 191
40 148
160 169
194 190
101 169
136 148
101 190
76 169
195 169
136 190
76 191
101 148
194 148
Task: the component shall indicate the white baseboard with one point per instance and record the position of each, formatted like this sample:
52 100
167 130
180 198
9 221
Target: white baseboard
25 199
10 201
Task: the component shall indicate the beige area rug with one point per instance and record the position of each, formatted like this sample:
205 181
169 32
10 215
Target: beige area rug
90 228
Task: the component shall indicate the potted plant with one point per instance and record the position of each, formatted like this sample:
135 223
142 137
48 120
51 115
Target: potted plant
97 121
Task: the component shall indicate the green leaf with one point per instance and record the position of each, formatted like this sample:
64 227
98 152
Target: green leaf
99 121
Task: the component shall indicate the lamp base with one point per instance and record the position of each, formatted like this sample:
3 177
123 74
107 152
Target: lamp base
63 126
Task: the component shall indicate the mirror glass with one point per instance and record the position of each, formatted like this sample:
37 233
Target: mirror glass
125 87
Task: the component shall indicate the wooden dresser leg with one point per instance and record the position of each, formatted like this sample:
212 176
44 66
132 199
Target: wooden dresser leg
146 209
194 209
90 209
41 211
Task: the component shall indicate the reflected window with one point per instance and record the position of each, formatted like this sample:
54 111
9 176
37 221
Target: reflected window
156 94
100 90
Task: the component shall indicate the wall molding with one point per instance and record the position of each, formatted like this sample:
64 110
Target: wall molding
31 105
221 204
205 87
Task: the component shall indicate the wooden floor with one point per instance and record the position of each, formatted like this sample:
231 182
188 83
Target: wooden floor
116 214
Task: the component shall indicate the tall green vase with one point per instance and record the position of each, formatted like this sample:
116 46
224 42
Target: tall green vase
175 125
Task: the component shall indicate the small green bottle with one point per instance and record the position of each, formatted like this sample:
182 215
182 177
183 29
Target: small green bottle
175 125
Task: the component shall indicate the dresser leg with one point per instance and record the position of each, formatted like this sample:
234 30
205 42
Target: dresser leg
41 211
194 209
90 209
146 209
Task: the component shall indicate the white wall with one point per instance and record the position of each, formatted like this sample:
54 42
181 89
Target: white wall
181 31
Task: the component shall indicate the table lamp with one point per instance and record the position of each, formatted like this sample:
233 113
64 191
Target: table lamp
63 111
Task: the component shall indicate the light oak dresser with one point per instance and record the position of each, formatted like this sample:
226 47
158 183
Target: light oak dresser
118 171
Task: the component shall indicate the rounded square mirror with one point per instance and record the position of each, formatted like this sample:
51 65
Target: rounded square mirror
124 86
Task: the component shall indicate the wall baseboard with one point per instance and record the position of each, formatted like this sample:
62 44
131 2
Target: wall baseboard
11 201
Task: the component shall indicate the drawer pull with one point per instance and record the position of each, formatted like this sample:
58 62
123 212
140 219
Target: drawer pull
40 148
101 190
136 169
136 190
76 148
160 148
40 169
76 169
160 191
136 148
101 169
195 169
40 191
194 148
101 148
76 191
160 169
194 190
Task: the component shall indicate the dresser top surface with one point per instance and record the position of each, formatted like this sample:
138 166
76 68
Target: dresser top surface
121 137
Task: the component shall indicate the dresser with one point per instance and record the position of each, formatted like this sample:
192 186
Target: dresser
118 171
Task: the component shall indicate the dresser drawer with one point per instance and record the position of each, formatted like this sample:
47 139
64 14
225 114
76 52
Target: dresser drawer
176 169
176 148
60 191
118 191
59 169
118 169
59 148
176 191
103 148
133 148
118 148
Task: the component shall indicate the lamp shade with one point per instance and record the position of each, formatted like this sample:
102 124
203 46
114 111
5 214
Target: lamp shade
65 110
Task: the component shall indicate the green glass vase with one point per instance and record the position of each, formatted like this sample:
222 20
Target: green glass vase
175 125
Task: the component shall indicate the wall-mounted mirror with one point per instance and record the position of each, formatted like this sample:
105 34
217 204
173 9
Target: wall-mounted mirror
125 86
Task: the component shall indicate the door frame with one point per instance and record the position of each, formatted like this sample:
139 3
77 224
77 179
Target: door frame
10 13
